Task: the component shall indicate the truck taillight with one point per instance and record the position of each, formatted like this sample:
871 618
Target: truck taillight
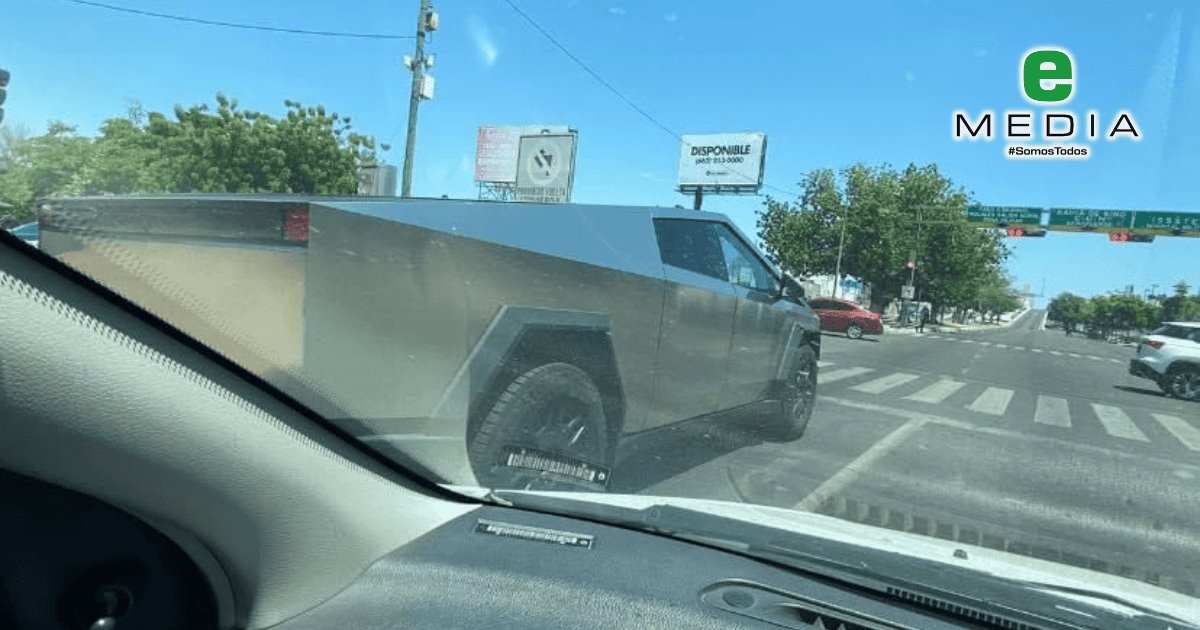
295 225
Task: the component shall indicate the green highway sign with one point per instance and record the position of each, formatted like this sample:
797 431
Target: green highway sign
1072 219
1179 223
1005 215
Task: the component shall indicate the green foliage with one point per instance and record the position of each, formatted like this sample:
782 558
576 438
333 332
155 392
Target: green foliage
1108 314
879 207
197 149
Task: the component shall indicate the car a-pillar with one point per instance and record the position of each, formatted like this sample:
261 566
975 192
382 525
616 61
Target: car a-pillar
547 407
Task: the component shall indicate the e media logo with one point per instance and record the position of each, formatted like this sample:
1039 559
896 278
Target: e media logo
1047 77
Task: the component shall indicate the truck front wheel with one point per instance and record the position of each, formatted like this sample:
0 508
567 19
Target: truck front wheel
546 431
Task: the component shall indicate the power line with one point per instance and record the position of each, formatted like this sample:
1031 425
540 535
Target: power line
601 80
251 27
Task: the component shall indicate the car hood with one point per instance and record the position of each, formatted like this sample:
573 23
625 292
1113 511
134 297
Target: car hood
1003 565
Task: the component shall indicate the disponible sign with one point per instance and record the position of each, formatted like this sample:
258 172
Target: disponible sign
724 160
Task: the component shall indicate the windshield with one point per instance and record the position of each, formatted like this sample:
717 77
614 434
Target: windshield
892 264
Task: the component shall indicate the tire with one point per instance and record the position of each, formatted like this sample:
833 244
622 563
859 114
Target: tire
799 398
1184 382
554 410
854 331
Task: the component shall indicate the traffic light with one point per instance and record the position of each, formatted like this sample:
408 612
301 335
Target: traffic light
1129 237
909 265
1017 232
4 75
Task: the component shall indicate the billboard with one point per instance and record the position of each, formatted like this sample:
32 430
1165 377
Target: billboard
732 161
496 149
545 168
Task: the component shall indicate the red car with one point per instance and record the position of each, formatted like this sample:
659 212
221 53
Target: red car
842 316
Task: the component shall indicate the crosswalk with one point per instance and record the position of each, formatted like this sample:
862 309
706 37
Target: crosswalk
1129 426
1015 347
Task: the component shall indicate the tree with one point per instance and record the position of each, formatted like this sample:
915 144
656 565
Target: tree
887 216
1071 310
196 150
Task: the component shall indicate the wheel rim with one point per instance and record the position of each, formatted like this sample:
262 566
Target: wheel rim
804 387
568 428
1186 385
854 331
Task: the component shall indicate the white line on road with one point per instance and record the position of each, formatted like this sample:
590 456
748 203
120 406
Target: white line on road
1037 350
1095 358
937 392
1056 353
1137 459
968 341
1075 355
985 343
1116 360
1117 423
880 385
1001 345
1051 410
1045 316
837 375
993 401
858 466
1186 433
823 364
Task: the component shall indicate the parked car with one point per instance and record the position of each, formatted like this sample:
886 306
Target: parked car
519 343
1170 356
842 316
27 232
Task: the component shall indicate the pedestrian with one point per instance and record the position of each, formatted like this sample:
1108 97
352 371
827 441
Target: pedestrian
922 318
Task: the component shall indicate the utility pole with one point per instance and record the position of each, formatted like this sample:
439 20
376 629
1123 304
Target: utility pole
427 21
837 274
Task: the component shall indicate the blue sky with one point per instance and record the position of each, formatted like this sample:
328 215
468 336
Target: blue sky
829 83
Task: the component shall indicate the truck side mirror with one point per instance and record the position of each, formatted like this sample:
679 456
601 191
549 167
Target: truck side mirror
791 290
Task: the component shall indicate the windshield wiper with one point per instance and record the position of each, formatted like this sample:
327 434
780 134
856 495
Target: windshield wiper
963 592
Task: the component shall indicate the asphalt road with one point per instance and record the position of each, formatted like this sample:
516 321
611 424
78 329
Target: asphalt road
1019 439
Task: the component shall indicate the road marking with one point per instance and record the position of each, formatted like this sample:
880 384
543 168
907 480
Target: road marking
937 392
985 343
1184 432
1133 459
1045 316
822 364
881 385
837 375
1037 350
1001 345
968 341
1095 358
1075 355
993 401
858 466
1056 353
1116 360
1117 423
1051 410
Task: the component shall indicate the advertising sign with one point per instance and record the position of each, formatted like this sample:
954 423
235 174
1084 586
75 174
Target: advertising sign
731 161
496 149
545 168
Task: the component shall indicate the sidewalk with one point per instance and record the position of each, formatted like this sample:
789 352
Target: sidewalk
893 328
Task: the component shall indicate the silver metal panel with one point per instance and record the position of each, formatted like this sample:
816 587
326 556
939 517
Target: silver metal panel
693 352
760 334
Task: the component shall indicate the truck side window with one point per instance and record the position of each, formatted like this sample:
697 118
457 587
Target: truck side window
745 269
691 245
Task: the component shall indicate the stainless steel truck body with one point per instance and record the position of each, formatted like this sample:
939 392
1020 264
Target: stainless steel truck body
488 343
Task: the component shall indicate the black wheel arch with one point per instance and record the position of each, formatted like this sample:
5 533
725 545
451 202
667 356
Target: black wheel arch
522 339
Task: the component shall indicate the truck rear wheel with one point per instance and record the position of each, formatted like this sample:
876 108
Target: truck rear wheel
546 431
800 396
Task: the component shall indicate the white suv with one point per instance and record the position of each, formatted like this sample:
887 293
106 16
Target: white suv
1170 356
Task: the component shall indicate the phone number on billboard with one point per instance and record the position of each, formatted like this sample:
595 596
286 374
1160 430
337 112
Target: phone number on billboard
721 160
